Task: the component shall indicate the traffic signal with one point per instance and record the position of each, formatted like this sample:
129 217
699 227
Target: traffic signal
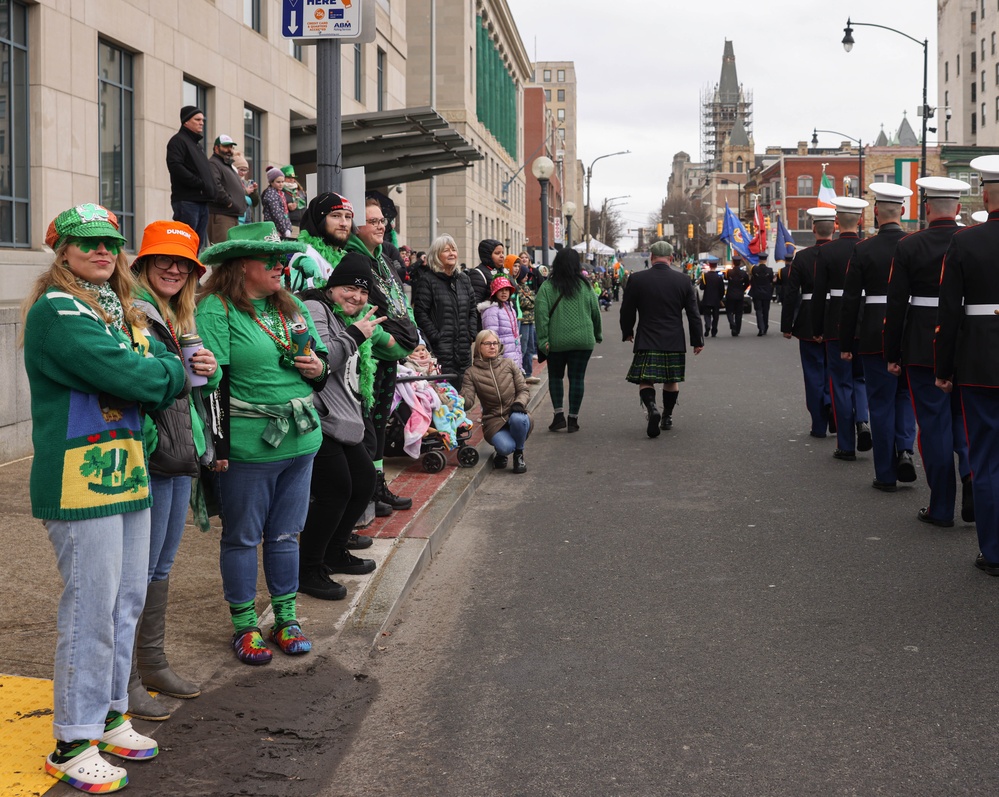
690 230
659 229
720 226
768 224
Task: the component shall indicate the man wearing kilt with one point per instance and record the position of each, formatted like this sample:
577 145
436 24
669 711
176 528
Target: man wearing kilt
659 296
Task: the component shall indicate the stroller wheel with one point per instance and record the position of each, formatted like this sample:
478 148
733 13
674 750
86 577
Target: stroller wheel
468 457
433 462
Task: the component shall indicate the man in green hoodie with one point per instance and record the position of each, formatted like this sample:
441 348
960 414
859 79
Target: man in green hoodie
387 295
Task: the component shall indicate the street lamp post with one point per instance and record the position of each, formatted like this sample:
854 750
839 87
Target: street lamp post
569 209
925 44
589 174
542 169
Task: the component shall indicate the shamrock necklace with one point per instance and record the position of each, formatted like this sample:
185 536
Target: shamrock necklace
273 327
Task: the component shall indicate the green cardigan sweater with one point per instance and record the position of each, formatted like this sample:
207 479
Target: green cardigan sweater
88 387
575 324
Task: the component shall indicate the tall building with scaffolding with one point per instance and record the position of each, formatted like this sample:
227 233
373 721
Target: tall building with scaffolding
721 107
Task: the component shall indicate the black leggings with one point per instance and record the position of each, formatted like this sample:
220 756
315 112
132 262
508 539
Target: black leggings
343 481
376 420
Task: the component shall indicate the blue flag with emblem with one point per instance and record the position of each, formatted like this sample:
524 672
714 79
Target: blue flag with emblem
735 235
785 246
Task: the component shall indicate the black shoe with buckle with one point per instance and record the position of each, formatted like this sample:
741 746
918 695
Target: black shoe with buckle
865 440
906 468
924 516
846 456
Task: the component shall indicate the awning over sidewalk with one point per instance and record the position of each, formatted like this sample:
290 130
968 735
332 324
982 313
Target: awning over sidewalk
393 146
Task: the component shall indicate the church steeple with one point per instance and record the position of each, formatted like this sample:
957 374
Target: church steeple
726 113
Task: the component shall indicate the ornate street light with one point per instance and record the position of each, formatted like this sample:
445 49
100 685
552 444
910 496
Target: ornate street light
543 168
569 209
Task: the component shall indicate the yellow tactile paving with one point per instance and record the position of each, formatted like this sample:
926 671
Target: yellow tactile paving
25 735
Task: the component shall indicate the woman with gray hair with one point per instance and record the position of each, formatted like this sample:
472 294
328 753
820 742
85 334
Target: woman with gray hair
444 306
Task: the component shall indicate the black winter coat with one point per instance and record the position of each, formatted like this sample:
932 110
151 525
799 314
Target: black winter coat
445 313
227 183
191 179
660 296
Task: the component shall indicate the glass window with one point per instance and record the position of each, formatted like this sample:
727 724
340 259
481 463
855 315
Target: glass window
561 114
14 116
803 223
115 135
197 95
561 76
253 144
993 43
547 76
358 86
983 80
974 123
561 95
251 14
983 114
997 109
548 95
805 186
974 60
381 80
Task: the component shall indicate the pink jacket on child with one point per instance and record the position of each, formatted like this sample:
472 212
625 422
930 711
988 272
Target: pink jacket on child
502 319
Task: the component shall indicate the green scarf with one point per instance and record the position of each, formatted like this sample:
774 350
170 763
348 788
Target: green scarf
107 299
328 253
366 363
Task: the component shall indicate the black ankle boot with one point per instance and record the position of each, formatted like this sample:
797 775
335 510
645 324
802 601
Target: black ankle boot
648 397
499 461
573 424
519 466
386 496
557 423
669 403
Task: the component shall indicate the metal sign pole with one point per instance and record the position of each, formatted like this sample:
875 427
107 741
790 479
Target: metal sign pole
329 137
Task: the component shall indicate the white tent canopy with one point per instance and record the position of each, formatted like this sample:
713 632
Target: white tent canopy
595 248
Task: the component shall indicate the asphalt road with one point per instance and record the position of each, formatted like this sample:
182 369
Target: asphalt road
724 610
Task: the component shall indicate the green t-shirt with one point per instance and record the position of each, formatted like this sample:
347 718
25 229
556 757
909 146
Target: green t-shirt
256 376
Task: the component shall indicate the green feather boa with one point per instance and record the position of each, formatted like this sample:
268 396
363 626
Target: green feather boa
366 363
329 254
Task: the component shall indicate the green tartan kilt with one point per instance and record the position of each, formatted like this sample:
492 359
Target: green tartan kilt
651 367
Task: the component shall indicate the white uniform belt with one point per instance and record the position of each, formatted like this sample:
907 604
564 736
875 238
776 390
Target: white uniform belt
924 301
877 300
981 309
835 291
805 297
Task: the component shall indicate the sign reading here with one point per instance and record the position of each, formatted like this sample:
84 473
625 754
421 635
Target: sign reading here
321 19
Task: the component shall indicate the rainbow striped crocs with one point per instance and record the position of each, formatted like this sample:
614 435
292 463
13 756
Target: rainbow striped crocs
121 739
87 771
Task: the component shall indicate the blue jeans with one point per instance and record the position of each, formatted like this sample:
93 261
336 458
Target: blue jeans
528 347
171 498
194 215
512 436
262 503
103 564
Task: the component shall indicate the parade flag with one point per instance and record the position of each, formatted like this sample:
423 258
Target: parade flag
735 235
784 247
826 191
759 242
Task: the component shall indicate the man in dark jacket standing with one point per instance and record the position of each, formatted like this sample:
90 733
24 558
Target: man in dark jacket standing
223 216
713 285
192 186
738 281
660 296
762 291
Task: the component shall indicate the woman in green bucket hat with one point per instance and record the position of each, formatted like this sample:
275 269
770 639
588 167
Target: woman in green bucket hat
269 430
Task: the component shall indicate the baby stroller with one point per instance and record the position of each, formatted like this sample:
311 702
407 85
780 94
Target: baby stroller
435 445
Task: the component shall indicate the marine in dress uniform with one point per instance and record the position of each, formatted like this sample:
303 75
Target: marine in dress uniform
762 279
893 426
796 319
713 285
967 353
910 321
853 431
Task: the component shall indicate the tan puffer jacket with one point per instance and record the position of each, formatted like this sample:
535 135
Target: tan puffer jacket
496 384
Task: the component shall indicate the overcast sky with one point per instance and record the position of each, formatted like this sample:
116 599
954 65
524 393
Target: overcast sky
641 67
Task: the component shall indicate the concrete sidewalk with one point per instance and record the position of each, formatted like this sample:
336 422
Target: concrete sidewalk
199 628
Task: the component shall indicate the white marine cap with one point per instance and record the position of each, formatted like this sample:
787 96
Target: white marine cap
988 167
889 192
822 214
849 204
943 187
979 216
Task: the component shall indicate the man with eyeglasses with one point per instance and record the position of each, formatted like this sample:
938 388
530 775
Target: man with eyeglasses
192 185
386 293
223 216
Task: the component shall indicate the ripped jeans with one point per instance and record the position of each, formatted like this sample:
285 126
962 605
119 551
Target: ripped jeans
263 504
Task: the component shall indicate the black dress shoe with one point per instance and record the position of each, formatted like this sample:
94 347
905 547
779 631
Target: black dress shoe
885 487
820 435
924 515
345 562
983 564
906 468
865 441
846 456
357 542
967 501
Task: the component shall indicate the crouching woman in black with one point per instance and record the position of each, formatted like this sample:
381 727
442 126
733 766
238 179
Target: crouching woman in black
343 476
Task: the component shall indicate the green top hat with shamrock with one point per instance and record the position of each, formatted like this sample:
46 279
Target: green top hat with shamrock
258 240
